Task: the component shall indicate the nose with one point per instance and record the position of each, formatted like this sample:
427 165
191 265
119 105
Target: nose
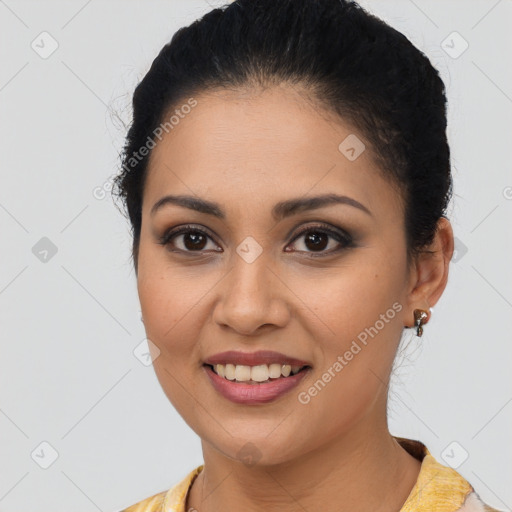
252 298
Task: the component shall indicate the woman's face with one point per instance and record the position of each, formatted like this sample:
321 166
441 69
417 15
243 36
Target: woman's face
334 297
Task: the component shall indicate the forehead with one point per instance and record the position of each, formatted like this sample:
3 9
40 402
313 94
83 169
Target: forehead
259 146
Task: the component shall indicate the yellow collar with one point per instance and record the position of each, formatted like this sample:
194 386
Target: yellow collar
438 488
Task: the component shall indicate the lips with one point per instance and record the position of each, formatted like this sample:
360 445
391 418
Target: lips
253 358
254 393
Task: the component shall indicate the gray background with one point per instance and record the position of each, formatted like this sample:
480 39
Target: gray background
70 320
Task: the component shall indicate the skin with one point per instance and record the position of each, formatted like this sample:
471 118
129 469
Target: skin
247 151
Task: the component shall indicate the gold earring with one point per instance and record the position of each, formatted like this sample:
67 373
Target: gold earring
419 317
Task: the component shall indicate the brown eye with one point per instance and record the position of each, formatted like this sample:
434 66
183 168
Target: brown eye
316 240
192 239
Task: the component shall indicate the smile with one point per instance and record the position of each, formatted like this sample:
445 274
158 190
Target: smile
255 374
243 388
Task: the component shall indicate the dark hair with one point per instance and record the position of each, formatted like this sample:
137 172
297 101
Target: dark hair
345 59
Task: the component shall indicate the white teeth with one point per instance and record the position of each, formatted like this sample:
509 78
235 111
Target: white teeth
229 371
258 373
242 373
274 371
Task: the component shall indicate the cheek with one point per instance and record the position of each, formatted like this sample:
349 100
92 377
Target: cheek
167 295
162 312
356 351
354 298
361 324
167 308
173 305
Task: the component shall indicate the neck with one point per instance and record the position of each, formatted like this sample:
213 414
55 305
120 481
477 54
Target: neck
365 470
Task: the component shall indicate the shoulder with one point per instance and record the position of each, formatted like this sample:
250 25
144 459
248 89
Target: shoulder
473 503
172 500
439 487
151 504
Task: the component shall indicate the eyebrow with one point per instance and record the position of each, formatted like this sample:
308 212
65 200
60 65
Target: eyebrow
280 210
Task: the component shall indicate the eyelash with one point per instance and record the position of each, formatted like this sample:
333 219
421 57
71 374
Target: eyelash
342 238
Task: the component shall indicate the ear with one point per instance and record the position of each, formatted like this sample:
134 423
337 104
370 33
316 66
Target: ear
429 272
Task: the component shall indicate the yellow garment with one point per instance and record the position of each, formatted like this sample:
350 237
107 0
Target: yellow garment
438 489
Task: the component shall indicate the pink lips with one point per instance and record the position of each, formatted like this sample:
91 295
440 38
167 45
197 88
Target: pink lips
250 394
253 358
242 393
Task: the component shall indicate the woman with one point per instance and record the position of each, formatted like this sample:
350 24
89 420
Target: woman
287 176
